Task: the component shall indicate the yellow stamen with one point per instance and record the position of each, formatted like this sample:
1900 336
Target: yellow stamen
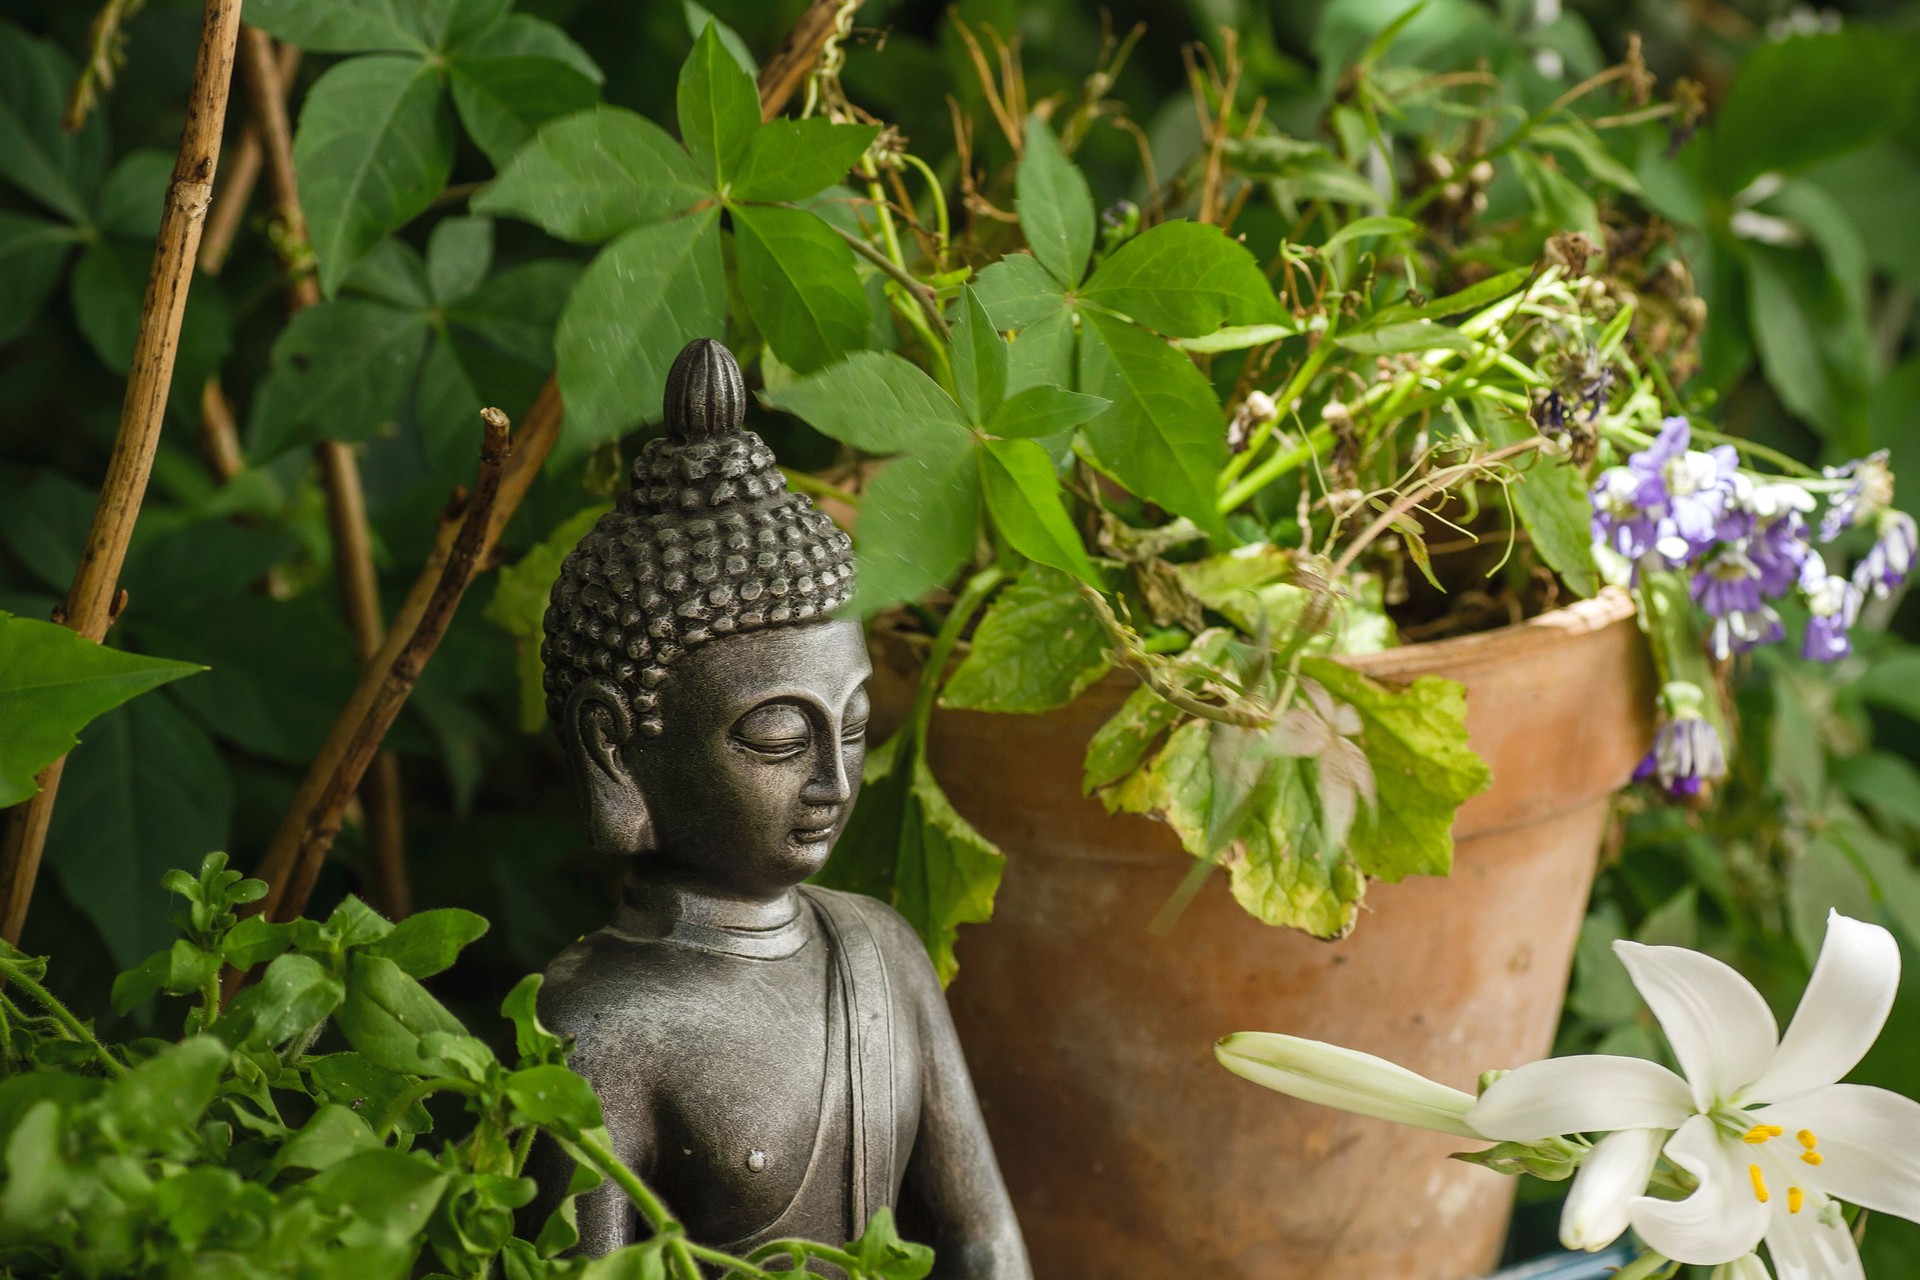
1807 1139
1760 1133
1796 1199
1814 1158
1759 1183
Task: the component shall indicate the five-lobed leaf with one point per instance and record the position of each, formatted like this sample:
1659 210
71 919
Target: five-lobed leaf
513 78
719 108
1055 206
649 293
374 147
800 284
1018 292
794 159
1043 411
1023 493
53 682
592 175
1184 279
918 519
979 358
876 401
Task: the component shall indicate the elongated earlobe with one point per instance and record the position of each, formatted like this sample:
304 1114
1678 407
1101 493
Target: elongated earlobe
599 724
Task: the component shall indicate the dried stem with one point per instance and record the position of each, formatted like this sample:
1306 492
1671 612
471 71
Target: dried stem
219 434
1434 483
339 470
235 193
89 605
293 861
794 60
106 54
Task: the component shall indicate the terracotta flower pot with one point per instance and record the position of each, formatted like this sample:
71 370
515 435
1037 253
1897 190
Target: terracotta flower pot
1128 1150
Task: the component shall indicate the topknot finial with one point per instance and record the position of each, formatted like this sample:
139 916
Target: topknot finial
706 398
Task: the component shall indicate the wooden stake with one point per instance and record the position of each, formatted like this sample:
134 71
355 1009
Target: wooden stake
797 55
96 581
359 584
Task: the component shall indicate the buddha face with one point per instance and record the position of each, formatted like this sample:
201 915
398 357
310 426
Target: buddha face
757 771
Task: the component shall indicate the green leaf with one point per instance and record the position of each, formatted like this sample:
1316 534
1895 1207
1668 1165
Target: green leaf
386 1013
800 284
1055 206
519 607
1017 292
1812 341
1376 227
1023 494
1162 437
1280 875
1551 497
294 995
877 401
1043 411
647 295
906 845
1559 203
1036 648
1471 298
59 169
53 682
593 175
1239 337
342 26
426 943
181 969
554 1098
374 147
979 357
1184 279
1803 99
884 1255
1416 740
458 255
515 78
166 1093
699 18
1118 746
381 1198
1578 139
719 108
131 199
794 159
1042 354
340 371
917 524
32 251
532 1041
1412 335
335 1133
108 286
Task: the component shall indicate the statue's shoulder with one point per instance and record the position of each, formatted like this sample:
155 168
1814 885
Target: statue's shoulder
605 979
899 943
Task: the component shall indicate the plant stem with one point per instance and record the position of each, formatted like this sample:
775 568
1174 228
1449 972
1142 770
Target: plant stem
938 192
418 1091
802 482
1433 484
614 1170
794 60
522 1146
75 1028
972 596
89 607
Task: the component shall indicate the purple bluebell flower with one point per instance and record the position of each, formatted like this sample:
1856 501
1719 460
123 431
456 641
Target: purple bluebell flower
1777 543
1686 754
1701 488
1727 582
1890 559
1872 489
1833 605
1627 508
1743 629
1669 499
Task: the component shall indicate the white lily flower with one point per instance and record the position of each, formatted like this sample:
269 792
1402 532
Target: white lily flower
1772 1140
1747 1268
1346 1079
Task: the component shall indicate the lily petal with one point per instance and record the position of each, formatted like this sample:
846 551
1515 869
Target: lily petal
1840 1016
1806 1246
1747 1268
1721 1220
1720 1029
1583 1094
1346 1079
1613 1174
1869 1144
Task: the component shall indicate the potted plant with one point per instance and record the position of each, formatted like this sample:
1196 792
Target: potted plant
1308 506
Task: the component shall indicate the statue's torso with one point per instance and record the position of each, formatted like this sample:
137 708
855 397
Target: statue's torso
742 1071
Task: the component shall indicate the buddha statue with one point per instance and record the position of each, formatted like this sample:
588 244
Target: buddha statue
774 1059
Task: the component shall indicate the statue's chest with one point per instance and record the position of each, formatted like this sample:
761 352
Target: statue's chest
755 1120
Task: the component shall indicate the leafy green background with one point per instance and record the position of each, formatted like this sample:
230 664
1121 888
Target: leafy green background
435 308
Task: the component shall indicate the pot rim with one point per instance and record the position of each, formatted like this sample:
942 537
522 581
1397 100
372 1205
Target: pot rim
1503 644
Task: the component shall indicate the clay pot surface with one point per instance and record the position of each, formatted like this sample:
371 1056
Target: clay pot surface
1127 1148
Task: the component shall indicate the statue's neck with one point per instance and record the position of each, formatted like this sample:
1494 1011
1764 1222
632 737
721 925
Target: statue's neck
658 906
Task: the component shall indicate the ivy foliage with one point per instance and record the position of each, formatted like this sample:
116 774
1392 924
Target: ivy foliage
287 1132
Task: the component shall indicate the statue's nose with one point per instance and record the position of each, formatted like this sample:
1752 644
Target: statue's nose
828 784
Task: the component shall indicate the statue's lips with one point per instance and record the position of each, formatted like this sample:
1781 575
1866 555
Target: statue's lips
812 835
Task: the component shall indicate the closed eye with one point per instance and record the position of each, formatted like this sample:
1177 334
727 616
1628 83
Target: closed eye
777 730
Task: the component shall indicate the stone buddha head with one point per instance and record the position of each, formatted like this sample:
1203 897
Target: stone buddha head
713 707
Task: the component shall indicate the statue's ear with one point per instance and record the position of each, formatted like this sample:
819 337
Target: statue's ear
599 724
